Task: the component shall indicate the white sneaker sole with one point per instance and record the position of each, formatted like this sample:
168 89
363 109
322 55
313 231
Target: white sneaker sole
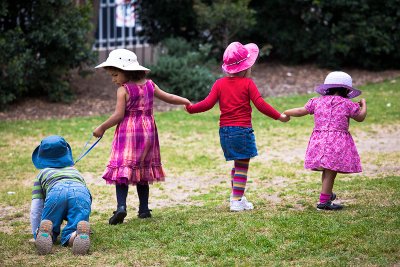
44 241
81 243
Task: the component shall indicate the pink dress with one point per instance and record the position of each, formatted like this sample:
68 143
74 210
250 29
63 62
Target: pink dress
331 145
135 153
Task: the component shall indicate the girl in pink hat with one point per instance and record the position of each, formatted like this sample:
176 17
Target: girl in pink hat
234 93
331 148
135 154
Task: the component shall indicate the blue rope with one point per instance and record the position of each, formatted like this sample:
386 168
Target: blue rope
84 153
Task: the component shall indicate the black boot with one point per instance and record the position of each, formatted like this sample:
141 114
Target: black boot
119 216
121 191
143 193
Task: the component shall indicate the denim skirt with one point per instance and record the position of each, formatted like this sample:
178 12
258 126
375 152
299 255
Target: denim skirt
238 142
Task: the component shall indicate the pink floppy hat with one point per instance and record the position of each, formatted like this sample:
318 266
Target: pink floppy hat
338 79
238 57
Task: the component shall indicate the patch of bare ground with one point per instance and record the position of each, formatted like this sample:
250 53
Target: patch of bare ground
180 190
11 215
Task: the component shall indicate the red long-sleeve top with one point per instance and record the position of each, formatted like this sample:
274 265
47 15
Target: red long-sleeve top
234 95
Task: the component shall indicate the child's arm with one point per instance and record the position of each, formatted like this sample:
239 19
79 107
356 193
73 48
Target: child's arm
296 112
263 106
169 98
363 112
37 205
117 116
206 104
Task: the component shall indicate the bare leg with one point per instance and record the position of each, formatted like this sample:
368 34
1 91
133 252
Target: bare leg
328 179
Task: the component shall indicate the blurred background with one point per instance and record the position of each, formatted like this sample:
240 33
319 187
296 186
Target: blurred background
49 48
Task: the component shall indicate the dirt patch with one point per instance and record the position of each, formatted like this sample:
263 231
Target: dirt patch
11 215
96 94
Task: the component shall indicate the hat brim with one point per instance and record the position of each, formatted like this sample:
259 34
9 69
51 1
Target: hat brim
131 67
60 162
244 65
322 89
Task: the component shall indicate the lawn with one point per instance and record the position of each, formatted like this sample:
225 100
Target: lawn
191 223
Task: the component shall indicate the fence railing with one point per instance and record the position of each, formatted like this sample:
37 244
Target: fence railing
117 27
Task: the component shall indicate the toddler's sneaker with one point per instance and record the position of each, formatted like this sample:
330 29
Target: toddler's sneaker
329 206
247 205
44 241
241 205
81 243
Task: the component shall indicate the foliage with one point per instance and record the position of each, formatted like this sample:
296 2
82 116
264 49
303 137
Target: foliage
356 33
161 19
183 70
221 21
332 33
41 41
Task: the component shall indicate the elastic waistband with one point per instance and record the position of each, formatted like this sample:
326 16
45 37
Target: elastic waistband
331 130
139 112
70 182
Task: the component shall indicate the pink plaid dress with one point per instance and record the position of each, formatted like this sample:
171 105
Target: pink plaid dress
135 153
331 145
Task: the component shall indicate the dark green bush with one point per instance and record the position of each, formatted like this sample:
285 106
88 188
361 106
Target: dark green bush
162 19
363 33
183 70
40 42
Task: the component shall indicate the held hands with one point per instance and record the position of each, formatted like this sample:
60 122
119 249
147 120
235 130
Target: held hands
186 102
284 118
98 132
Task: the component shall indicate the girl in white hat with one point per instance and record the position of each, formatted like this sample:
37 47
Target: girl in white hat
331 148
234 94
135 153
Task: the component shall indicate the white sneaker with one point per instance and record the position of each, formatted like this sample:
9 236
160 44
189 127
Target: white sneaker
241 205
247 205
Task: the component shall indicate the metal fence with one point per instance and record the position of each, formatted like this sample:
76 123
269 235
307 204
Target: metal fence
118 27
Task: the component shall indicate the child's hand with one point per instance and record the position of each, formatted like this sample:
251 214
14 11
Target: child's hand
187 102
284 118
185 108
98 132
362 102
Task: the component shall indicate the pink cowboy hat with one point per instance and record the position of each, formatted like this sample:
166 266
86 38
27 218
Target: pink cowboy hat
338 79
238 57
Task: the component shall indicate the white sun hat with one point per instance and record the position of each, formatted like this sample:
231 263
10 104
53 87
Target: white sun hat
122 59
338 79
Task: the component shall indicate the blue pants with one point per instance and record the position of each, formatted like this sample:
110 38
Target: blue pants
68 201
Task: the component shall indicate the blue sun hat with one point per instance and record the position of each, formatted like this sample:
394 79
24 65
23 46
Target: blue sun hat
53 152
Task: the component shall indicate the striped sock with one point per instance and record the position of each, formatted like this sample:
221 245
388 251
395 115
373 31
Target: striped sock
240 178
232 175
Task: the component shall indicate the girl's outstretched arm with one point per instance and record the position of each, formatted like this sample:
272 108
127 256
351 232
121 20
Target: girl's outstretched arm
296 112
169 98
117 116
363 113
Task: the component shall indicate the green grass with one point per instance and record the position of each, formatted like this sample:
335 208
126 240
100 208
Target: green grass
283 230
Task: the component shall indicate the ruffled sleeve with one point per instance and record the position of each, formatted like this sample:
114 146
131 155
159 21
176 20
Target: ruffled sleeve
353 109
310 105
